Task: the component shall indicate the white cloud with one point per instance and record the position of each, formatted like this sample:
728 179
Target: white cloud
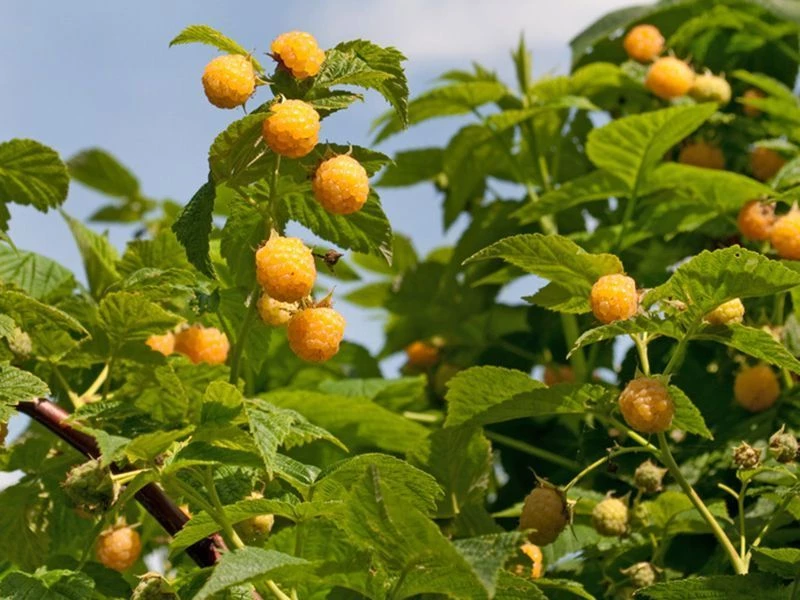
447 29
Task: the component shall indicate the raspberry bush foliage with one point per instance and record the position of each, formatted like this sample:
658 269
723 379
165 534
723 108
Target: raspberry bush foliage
203 427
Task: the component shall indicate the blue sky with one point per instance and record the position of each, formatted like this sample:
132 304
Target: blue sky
99 73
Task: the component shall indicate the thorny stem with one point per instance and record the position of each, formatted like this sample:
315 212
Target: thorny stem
738 564
236 356
533 450
602 461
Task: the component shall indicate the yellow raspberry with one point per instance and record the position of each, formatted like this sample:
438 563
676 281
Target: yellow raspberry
545 513
646 405
785 235
165 344
554 374
642 574
422 354
643 43
299 52
726 313
614 298
711 88
274 312
765 163
669 77
203 344
285 268
341 185
229 80
118 548
756 388
610 517
292 128
533 552
702 154
752 94
315 333
756 219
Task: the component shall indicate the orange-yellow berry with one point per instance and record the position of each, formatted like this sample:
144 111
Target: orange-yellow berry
765 163
292 128
285 268
643 43
203 344
702 154
726 313
165 344
756 388
299 52
785 235
545 513
274 312
554 374
422 354
229 80
669 77
315 333
533 552
118 548
341 185
756 219
752 94
610 517
614 298
646 405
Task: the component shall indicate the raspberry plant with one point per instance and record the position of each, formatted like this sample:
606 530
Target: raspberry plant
629 430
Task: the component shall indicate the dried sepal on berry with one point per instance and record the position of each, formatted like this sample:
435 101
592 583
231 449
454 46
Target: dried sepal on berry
746 457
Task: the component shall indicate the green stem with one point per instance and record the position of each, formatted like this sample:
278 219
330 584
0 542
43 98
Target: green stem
273 192
630 433
577 359
107 382
626 218
641 347
276 591
680 349
101 379
219 512
738 564
190 493
739 497
533 450
238 348
600 462
76 400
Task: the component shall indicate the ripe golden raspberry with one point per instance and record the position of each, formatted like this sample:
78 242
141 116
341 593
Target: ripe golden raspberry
702 154
756 219
533 552
610 517
756 388
256 529
646 405
554 373
545 513
165 344
274 312
785 235
711 88
765 163
422 354
643 43
669 77
648 477
315 333
285 269
614 298
229 80
118 548
292 128
203 344
299 52
752 94
726 313
341 185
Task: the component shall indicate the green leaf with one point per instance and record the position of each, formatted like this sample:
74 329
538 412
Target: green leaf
687 416
47 585
130 317
163 253
772 86
245 565
784 562
99 256
239 155
473 391
718 587
758 343
511 587
241 236
99 170
412 166
203 34
652 324
555 258
29 545
193 228
631 146
37 275
488 555
17 385
33 174
711 278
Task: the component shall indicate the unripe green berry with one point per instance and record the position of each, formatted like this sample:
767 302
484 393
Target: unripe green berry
746 457
642 574
153 586
90 487
20 343
610 517
783 446
648 477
